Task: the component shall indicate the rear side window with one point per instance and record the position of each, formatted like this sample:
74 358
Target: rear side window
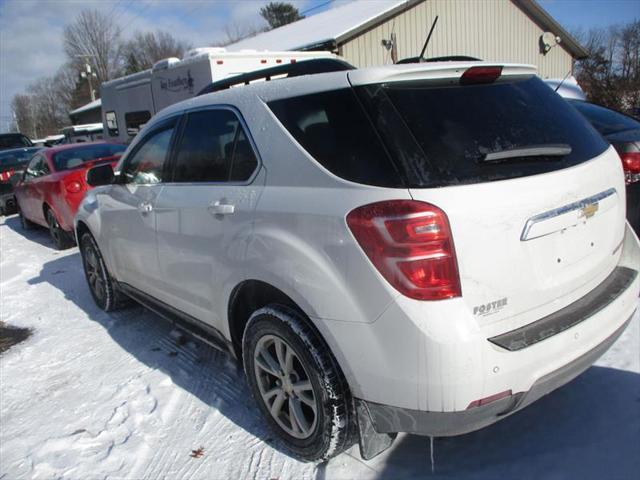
214 148
333 128
442 135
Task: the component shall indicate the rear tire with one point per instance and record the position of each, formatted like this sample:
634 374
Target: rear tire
292 373
61 239
102 287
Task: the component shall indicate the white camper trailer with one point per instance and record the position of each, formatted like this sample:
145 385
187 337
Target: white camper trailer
129 102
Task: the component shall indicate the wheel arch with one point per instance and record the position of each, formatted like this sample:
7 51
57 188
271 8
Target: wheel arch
253 294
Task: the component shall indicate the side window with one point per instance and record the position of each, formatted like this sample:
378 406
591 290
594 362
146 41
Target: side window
31 170
37 167
214 148
135 121
145 165
112 123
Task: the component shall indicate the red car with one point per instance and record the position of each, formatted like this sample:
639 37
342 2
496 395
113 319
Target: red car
54 183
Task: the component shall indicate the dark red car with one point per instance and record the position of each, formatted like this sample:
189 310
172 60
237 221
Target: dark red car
54 183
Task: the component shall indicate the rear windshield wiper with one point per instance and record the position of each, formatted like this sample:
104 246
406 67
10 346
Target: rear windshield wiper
547 150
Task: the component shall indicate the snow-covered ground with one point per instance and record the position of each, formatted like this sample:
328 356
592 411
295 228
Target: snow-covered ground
95 395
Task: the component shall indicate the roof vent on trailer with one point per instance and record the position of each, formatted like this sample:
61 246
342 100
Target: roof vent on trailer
164 64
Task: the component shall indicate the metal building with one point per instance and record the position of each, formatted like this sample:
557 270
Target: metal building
372 32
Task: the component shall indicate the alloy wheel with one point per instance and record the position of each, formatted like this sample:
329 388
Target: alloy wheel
54 228
285 387
95 272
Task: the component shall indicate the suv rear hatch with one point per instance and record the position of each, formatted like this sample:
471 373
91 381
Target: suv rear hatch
533 194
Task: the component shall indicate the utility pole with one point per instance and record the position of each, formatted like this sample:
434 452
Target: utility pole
88 74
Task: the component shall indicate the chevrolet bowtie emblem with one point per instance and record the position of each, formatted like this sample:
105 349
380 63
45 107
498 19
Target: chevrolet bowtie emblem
589 210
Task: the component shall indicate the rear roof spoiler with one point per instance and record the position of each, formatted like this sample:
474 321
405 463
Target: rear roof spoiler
444 72
296 69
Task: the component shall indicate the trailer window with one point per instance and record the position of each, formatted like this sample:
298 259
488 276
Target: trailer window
112 123
134 121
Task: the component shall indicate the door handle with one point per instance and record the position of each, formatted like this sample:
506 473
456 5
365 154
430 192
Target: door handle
145 207
217 208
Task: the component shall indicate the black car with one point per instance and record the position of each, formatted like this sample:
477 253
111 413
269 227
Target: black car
14 140
623 132
11 162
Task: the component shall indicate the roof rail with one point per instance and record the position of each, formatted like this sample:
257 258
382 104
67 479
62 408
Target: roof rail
295 69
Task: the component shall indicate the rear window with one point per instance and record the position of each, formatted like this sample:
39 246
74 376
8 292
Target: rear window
14 140
14 158
415 134
75 157
606 121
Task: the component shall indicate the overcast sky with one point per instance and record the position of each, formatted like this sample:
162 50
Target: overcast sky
31 31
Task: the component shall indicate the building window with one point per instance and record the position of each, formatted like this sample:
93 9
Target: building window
112 124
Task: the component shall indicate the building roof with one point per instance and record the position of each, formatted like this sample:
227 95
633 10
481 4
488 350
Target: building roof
336 24
89 106
342 23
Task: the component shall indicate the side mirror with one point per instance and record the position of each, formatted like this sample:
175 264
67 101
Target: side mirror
100 175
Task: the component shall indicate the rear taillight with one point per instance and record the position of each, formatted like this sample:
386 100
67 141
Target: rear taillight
73 186
478 75
410 244
631 166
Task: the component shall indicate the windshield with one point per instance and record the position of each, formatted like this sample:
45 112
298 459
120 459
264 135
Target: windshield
606 121
12 158
75 157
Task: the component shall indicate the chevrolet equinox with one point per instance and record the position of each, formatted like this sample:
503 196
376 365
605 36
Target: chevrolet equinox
422 248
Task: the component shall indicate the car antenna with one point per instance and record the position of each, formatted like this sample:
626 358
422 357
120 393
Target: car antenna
565 77
424 48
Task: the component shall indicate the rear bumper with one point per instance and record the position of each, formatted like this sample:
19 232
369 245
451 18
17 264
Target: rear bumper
388 419
457 371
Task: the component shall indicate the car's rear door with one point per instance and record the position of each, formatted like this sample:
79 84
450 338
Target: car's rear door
204 214
128 213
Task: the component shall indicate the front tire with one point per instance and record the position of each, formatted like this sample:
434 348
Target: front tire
102 287
61 239
297 384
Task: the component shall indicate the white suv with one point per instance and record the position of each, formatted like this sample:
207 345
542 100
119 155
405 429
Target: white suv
420 248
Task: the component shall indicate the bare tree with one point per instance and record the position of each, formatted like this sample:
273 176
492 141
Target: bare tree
50 114
145 49
611 74
236 31
24 115
94 38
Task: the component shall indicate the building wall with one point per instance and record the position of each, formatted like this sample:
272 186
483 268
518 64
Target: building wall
494 30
